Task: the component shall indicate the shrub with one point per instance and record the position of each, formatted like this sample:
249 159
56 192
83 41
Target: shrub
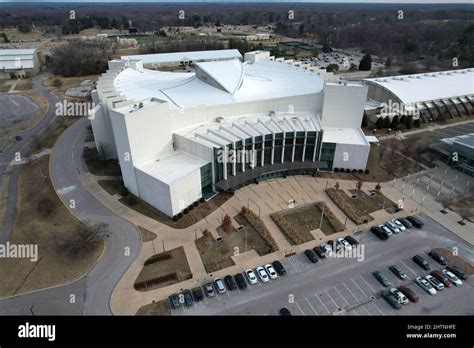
259 226
333 220
186 210
287 229
180 215
175 218
201 200
348 170
360 171
366 171
336 170
196 203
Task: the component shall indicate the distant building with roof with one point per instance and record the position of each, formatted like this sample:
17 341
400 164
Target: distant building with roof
19 62
457 151
429 96
181 136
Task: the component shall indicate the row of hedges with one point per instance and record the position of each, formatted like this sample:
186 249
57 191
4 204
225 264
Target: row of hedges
287 229
333 220
338 197
188 209
259 227
158 257
172 277
353 171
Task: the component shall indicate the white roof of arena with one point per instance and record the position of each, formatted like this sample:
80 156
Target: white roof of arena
176 57
241 83
417 88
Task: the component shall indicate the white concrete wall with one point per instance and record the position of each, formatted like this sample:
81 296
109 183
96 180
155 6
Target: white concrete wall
185 191
356 156
194 148
154 192
343 105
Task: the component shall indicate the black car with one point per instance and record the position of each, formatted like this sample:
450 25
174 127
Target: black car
188 298
351 240
381 278
421 262
240 280
279 267
415 221
438 258
398 272
320 252
18 138
311 255
406 223
458 272
229 282
198 294
379 233
174 301
392 300
284 312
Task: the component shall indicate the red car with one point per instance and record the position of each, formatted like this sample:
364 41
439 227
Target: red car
442 278
408 293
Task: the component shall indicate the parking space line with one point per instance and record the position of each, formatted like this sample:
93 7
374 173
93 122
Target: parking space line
205 300
358 287
228 294
342 296
326 308
365 281
378 308
366 310
409 268
352 294
337 306
314 310
276 312
297 305
217 297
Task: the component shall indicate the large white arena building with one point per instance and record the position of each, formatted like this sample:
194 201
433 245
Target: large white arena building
181 136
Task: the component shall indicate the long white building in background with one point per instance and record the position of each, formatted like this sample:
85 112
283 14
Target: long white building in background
181 136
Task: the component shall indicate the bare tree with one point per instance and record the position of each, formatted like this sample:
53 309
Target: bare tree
86 238
226 222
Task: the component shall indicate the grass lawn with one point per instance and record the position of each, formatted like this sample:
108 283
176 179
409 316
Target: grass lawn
146 235
306 219
170 267
217 255
155 308
4 144
99 167
112 187
365 204
24 85
50 231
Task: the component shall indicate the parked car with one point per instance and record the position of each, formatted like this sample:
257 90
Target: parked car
240 280
420 261
425 285
174 301
251 276
197 294
409 293
311 255
188 297
380 233
18 138
351 240
438 258
209 290
320 252
270 271
334 245
406 222
437 284
327 248
415 221
391 299
344 244
284 312
452 277
262 274
219 285
402 299
398 272
387 230
279 267
457 271
394 228
442 278
381 278
230 283
397 223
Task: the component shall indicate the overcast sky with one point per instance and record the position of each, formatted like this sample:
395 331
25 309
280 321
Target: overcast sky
315 1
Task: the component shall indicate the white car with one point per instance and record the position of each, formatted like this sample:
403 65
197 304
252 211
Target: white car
262 274
327 249
399 224
387 230
271 271
344 243
435 282
423 283
452 277
251 276
402 299
393 227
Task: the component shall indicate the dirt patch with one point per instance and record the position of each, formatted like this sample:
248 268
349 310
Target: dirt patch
454 260
155 308
147 235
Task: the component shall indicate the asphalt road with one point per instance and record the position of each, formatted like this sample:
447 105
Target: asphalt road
92 292
347 284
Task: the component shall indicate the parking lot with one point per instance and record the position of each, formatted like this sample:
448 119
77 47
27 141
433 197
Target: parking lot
346 286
